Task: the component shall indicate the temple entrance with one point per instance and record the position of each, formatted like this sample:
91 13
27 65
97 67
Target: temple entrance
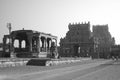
76 50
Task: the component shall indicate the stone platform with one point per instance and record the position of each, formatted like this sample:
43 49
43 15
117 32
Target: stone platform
38 61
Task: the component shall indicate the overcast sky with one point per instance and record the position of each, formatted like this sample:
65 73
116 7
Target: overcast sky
53 16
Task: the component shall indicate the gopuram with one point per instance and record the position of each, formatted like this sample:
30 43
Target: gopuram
78 41
29 44
104 40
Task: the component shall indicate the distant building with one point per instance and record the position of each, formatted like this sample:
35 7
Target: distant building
78 41
104 39
115 51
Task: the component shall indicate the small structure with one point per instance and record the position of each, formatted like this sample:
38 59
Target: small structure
115 51
28 43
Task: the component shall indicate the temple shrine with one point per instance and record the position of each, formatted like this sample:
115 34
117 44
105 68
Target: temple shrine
28 44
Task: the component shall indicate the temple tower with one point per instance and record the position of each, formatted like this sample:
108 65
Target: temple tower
77 41
102 34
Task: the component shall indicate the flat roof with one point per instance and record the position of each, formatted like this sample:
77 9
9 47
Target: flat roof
34 32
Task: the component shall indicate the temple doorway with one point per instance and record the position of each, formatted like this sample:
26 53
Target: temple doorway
76 50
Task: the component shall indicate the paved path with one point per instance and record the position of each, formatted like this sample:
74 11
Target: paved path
61 72
111 72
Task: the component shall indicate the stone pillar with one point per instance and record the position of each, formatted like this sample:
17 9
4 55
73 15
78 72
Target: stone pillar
20 44
30 43
42 40
12 54
56 42
12 42
48 44
4 43
45 41
38 44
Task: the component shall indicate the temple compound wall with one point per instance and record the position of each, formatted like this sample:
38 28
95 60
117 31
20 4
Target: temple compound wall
81 42
78 41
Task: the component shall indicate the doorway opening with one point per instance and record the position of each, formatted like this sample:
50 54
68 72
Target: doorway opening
76 50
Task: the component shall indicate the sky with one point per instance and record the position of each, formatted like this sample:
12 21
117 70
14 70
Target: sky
53 16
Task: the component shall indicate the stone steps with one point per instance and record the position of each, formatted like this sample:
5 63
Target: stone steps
51 62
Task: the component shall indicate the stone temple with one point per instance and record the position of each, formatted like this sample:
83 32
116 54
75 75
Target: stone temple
80 41
105 42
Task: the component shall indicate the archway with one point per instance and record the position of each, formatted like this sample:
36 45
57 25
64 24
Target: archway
76 50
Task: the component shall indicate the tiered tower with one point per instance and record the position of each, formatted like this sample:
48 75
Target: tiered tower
80 41
77 41
105 41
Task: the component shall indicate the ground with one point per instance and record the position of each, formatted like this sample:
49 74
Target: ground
86 70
